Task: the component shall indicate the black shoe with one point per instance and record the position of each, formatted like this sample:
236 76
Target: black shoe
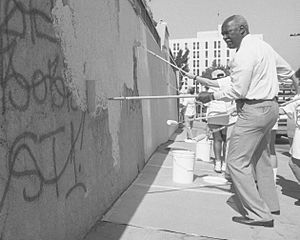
276 212
248 221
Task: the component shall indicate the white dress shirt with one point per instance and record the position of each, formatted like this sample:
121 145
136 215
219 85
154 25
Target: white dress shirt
255 71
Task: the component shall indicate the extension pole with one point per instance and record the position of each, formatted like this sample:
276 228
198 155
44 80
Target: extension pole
152 97
173 65
288 102
154 54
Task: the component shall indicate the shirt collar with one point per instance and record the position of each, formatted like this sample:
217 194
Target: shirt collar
245 39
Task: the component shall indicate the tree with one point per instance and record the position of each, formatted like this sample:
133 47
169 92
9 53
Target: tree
214 66
181 61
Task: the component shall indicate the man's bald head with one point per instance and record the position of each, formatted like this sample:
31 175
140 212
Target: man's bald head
238 21
234 29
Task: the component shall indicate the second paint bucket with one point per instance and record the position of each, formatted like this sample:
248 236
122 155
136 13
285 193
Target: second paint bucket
203 150
183 166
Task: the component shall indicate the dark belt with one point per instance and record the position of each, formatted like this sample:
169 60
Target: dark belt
255 101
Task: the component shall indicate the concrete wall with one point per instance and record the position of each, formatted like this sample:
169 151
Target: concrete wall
66 151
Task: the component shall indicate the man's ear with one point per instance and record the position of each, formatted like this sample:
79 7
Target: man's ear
242 30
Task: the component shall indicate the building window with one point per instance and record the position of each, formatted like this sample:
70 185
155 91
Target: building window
206 54
215 53
194 44
215 44
219 53
194 63
194 54
206 63
219 62
227 61
206 45
219 44
177 46
198 54
194 72
185 45
197 45
197 63
198 72
227 52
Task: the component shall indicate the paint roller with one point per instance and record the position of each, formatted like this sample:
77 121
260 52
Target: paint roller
175 123
230 112
202 135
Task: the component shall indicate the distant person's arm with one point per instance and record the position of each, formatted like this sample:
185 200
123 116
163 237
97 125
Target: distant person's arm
288 109
296 84
284 72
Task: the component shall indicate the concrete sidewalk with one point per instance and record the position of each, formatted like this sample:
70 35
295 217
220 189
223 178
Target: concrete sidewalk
154 207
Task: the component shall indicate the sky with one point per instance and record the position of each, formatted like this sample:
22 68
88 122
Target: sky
275 19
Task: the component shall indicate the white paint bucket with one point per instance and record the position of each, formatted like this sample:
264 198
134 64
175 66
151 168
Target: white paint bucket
183 166
203 150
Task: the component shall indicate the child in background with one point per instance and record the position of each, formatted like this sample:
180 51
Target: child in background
181 107
189 114
293 111
274 160
290 124
216 108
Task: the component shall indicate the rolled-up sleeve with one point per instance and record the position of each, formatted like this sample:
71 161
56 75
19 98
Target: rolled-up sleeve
284 70
241 72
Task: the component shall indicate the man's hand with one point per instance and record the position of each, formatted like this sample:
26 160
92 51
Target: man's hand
190 75
205 97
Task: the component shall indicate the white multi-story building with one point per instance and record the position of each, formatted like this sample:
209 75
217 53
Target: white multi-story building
207 47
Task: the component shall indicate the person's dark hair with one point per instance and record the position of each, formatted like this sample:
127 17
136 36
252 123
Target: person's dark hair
297 73
191 90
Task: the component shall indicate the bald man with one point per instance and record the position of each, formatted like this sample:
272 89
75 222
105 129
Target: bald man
255 70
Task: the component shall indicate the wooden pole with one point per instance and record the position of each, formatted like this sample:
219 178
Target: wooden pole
288 102
173 65
152 97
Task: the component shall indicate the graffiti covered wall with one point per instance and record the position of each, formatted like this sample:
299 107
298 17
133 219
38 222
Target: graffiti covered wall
67 152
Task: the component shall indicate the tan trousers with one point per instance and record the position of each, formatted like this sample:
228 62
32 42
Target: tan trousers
248 156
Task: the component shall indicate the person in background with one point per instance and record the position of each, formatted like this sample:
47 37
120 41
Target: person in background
290 123
189 114
220 83
293 112
181 106
219 136
255 71
273 156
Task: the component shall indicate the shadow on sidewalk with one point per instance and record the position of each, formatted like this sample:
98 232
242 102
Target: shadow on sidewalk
289 188
149 200
117 222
